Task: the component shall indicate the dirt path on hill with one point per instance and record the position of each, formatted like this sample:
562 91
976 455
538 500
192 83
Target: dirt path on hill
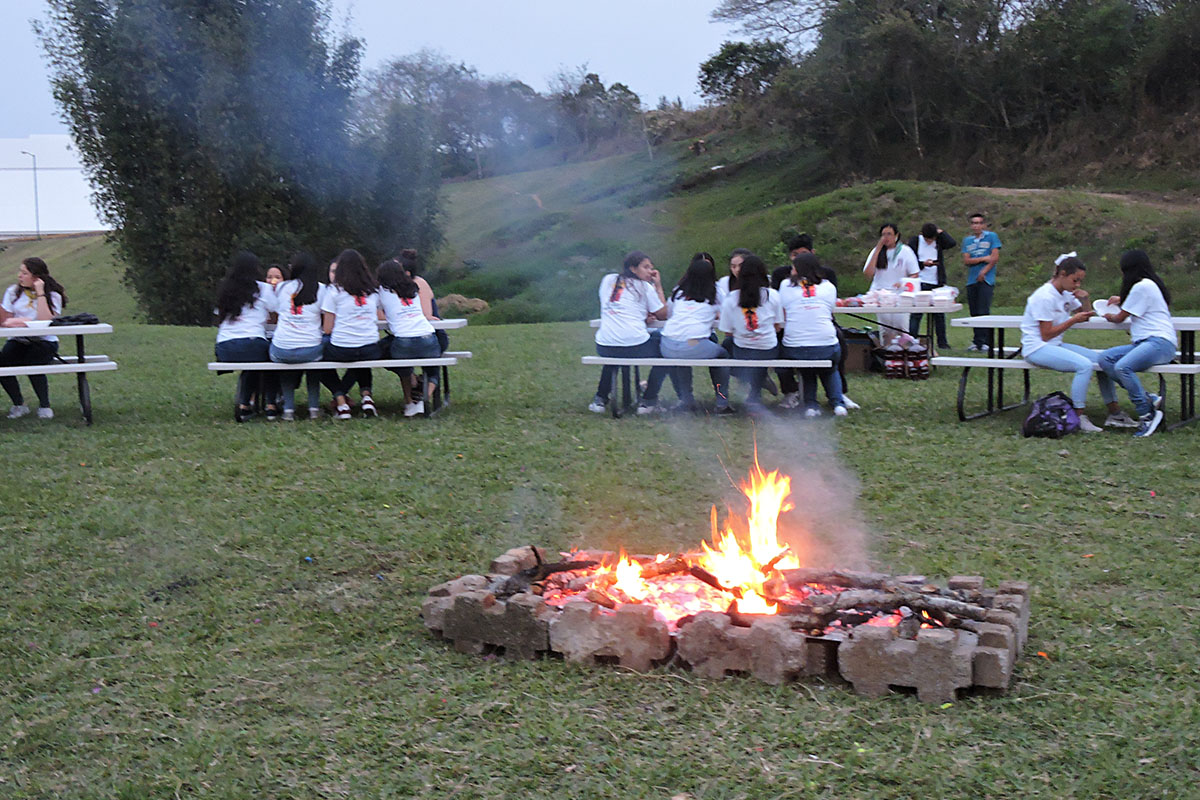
1153 199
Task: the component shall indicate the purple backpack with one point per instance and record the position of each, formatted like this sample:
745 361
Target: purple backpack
1052 416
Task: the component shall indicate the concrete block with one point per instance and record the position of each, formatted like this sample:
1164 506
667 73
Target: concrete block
521 625
433 612
769 649
972 583
937 663
515 560
632 634
1019 605
992 667
1014 587
467 583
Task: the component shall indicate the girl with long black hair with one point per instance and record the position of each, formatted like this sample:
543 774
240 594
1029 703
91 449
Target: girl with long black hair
298 336
244 306
350 316
808 301
1146 301
36 296
627 298
752 314
411 334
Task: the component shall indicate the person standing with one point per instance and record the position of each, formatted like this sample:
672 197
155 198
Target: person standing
890 262
929 247
980 252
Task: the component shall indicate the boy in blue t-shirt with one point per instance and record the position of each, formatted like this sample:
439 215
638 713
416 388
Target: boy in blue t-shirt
981 251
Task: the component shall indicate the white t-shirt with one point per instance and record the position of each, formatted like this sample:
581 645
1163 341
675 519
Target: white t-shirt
722 289
808 314
901 263
252 322
1149 315
404 315
298 326
19 304
927 251
690 319
1046 304
623 320
356 322
753 329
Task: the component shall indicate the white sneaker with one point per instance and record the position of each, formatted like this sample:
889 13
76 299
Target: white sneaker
314 413
840 411
288 416
1120 420
597 406
644 410
45 413
1148 423
850 404
790 400
1087 426
812 413
413 409
16 412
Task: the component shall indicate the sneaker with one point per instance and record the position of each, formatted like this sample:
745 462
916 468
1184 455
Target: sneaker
343 411
598 405
812 413
1120 420
974 348
45 413
1087 426
724 411
368 406
16 412
272 413
644 409
790 400
1148 423
288 415
314 413
1156 401
840 411
850 404
414 409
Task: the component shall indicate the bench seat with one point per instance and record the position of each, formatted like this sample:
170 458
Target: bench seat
97 363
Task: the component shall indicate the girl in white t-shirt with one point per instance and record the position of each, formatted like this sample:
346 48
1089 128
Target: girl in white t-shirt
627 300
809 333
1049 312
410 331
1144 300
298 337
890 263
350 316
35 296
244 306
752 314
693 311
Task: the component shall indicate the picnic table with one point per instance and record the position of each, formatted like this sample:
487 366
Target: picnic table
857 313
80 366
1001 359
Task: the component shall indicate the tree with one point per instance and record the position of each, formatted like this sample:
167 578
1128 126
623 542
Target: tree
207 126
742 72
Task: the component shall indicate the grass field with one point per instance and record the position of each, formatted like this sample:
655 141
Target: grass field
194 608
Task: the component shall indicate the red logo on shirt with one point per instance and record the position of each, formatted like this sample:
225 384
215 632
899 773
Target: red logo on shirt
360 301
751 318
408 301
810 291
295 308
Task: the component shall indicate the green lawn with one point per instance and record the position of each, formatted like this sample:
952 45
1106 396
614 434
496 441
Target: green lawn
166 634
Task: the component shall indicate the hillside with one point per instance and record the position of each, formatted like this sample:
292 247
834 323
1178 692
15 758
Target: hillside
87 267
535 244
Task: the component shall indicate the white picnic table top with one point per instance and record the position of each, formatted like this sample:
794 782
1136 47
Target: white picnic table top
905 309
1014 321
57 330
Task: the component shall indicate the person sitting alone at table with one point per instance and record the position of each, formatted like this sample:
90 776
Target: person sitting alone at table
627 298
1051 311
1145 300
35 296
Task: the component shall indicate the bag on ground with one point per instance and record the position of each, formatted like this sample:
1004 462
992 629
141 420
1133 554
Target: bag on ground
1051 417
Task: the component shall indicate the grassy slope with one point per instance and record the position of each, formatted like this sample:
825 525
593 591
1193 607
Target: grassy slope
546 262
164 634
85 265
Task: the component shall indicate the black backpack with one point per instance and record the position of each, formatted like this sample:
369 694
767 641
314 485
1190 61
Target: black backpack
1052 417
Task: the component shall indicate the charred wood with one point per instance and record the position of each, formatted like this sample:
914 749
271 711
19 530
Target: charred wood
671 566
701 574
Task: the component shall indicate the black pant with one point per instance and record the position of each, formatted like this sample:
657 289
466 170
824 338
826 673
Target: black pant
979 301
22 352
939 321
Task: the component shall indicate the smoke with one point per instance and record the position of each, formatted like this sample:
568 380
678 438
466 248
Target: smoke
825 528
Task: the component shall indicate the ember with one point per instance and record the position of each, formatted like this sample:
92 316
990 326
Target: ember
743 603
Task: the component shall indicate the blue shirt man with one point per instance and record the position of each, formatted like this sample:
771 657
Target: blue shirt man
981 251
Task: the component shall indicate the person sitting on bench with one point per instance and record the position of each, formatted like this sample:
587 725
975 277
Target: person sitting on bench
35 296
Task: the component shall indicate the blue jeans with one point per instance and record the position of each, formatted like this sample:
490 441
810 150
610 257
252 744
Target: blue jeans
828 377
288 381
647 349
416 347
979 301
1123 363
1080 360
252 349
755 376
368 352
681 377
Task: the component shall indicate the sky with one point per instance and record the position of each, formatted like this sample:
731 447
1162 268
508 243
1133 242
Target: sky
653 46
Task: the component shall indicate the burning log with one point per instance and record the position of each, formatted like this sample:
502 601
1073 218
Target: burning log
798 578
524 580
671 566
770 565
703 575
600 598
